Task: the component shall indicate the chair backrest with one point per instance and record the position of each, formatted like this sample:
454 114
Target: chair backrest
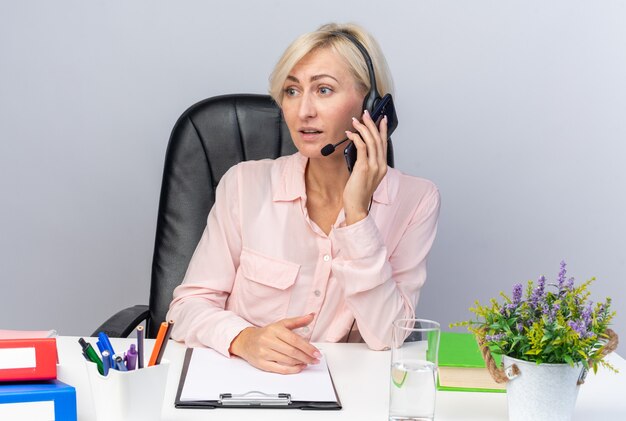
208 139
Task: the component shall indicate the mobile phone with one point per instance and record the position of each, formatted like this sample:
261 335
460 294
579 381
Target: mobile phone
384 107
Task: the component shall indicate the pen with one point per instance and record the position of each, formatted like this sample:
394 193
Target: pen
157 345
91 354
165 342
139 346
104 344
119 363
105 362
131 357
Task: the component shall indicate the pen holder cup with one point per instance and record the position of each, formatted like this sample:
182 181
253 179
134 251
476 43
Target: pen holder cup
128 395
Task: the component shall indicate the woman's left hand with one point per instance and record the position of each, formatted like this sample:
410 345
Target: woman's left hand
369 169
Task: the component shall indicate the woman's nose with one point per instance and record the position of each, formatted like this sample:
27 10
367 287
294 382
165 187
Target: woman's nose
307 107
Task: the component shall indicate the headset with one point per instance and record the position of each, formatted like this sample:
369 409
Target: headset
376 106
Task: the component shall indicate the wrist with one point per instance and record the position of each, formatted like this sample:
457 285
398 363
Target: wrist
236 344
356 212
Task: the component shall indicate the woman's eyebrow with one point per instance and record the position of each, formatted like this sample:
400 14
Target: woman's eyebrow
313 78
323 75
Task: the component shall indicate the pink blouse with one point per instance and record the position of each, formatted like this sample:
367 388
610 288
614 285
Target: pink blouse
261 259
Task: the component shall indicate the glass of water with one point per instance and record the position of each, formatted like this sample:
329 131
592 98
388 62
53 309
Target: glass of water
413 382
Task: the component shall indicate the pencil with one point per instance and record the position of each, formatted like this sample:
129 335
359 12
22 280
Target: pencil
158 344
165 341
139 347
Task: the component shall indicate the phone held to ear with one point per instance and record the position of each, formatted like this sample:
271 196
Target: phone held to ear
378 107
382 108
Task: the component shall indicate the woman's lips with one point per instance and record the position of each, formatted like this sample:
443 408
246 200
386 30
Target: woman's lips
310 135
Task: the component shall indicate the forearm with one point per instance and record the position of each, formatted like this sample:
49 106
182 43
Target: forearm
375 297
381 286
201 322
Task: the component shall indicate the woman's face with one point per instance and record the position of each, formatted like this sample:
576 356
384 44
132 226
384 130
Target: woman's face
320 98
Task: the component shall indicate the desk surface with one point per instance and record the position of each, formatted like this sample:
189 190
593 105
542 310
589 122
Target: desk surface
361 377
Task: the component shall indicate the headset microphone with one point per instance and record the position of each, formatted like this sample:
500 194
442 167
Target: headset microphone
330 148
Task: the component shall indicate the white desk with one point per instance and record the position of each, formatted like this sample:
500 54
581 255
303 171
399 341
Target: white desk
361 377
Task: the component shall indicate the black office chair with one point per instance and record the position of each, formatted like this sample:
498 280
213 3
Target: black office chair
208 139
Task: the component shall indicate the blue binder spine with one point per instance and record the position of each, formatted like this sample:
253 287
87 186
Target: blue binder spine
63 396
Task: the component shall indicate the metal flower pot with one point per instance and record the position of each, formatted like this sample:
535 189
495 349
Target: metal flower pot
541 392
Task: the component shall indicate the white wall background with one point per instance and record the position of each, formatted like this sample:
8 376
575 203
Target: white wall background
516 109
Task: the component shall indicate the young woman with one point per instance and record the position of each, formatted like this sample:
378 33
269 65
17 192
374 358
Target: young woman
298 249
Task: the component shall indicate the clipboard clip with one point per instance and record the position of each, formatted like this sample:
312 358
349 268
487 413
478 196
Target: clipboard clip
255 398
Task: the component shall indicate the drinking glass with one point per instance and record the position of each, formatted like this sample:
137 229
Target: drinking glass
413 382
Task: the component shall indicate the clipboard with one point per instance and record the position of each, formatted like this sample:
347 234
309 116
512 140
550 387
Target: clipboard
206 382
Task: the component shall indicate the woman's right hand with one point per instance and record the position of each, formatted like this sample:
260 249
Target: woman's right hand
275 347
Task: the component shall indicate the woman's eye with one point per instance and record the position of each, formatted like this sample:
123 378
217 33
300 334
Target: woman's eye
290 92
324 90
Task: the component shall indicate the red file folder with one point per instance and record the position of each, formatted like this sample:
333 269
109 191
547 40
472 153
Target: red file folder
28 359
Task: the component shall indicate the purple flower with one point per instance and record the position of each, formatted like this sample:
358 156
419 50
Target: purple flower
541 284
538 292
570 284
520 327
586 314
517 294
577 326
561 277
580 328
553 312
495 338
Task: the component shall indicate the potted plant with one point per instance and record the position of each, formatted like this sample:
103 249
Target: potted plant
549 338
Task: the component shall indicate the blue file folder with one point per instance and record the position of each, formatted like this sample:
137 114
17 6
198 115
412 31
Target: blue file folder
63 396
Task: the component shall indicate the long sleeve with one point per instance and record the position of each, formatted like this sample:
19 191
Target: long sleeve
382 285
199 302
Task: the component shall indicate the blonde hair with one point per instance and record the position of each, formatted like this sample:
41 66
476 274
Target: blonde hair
326 37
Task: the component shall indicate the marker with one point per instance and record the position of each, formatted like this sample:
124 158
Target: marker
131 357
158 344
139 346
165 342
105 362
104 344
119 363
91 354
84 353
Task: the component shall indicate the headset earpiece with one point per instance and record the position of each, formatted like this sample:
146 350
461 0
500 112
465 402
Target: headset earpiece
371 100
